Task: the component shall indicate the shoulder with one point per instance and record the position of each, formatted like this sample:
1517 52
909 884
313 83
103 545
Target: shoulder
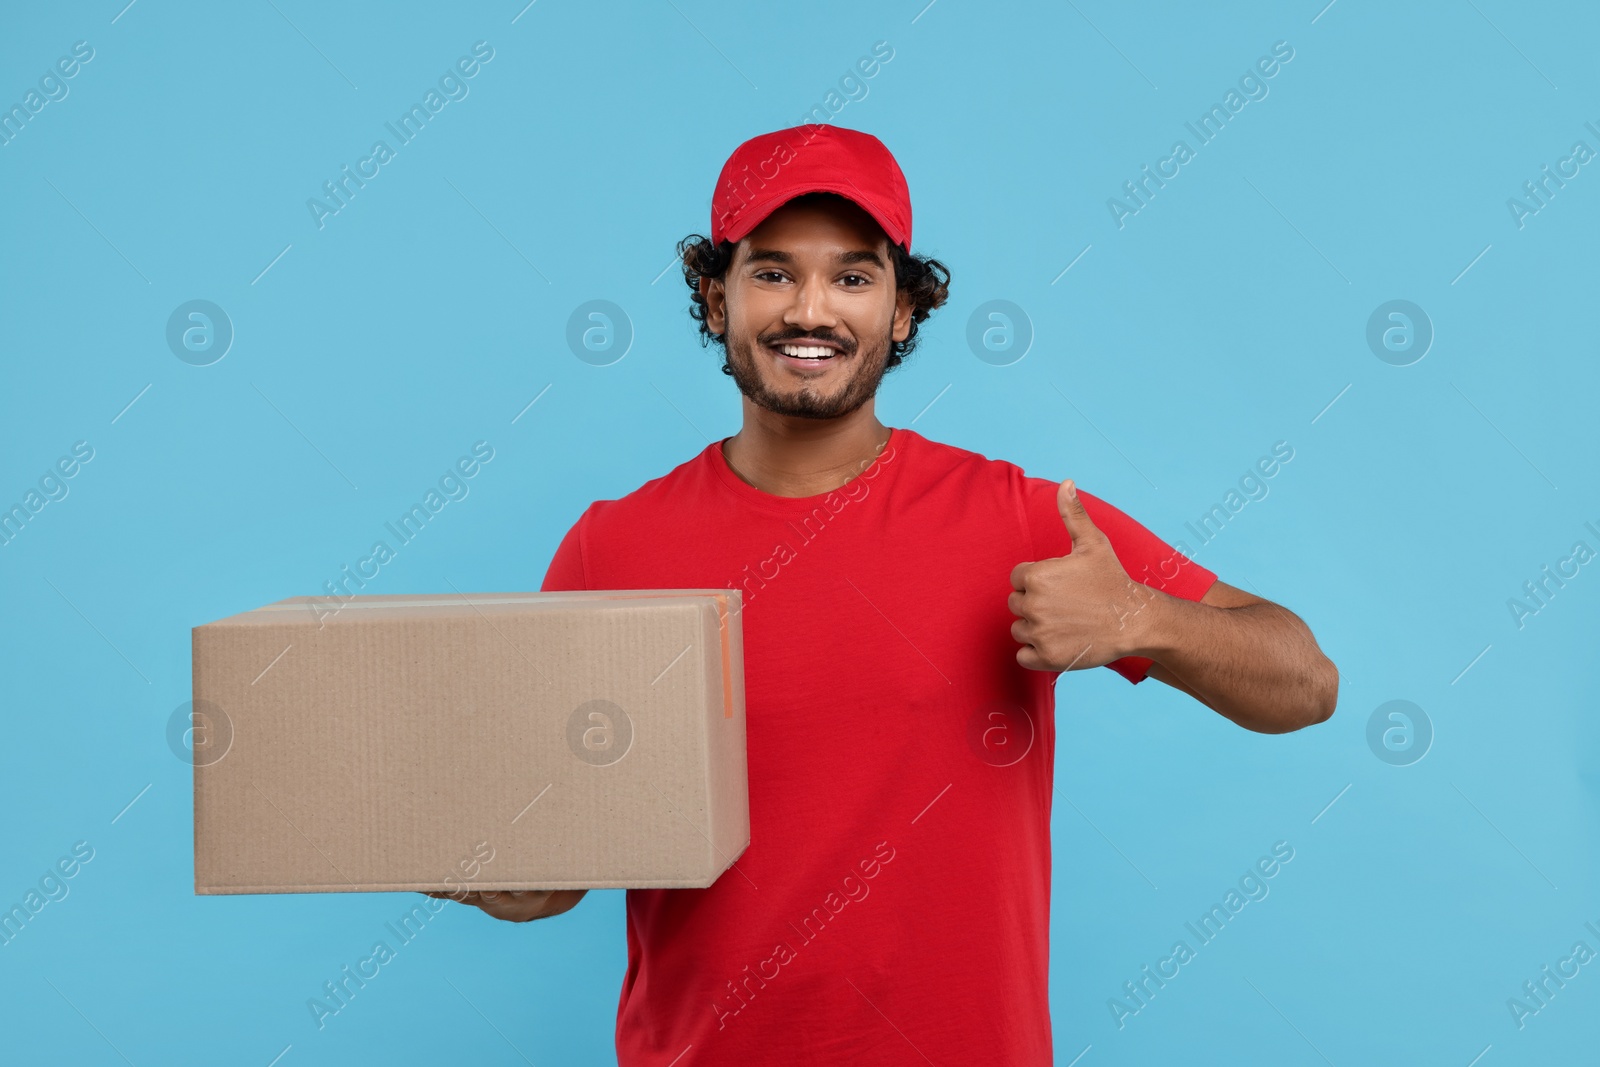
669 494
1037 494
1035 500
628 529
940 461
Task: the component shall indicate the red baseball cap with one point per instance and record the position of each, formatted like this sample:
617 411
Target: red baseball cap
768 171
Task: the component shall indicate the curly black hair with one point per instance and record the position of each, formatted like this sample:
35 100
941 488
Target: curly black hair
925 280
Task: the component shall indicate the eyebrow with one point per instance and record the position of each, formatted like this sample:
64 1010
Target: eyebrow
774 255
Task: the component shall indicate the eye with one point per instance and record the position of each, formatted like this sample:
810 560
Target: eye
764 274
860 279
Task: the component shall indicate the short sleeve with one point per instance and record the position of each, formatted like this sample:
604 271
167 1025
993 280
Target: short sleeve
1147 558
567 571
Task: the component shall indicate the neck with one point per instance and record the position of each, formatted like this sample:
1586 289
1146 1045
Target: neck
796 457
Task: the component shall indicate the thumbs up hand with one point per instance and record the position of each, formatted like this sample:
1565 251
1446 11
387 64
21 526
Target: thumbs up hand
1081 610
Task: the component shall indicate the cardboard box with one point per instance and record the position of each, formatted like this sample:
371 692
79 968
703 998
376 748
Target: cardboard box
475 741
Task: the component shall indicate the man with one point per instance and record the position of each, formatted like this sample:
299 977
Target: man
907 608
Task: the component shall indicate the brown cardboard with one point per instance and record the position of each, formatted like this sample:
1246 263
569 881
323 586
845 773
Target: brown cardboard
445 742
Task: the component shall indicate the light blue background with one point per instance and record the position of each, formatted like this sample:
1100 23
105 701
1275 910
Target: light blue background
1227 315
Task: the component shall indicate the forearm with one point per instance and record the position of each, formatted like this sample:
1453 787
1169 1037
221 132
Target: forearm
1258 664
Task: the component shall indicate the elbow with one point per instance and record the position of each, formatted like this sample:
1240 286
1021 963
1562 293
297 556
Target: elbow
1325 688
1319 695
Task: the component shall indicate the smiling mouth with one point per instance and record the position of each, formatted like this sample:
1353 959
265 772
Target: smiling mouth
806 356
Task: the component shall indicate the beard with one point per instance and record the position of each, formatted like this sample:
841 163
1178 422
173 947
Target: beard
847 387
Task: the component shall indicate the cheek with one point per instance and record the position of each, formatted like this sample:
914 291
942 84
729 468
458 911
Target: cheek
751 312
872 317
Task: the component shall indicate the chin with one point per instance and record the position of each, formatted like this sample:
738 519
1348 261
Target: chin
829 393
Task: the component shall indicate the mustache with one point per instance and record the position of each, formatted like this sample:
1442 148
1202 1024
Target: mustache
845 345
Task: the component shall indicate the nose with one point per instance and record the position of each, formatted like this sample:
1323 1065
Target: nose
811 308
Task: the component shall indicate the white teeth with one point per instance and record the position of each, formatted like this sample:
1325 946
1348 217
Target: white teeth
806 351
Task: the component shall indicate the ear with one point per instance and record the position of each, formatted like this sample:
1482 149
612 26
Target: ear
902 315
716 298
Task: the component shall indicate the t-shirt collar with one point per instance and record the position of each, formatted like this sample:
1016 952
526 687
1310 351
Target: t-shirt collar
899 438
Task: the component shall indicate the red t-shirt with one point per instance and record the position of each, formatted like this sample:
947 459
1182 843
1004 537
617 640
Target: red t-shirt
894 901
